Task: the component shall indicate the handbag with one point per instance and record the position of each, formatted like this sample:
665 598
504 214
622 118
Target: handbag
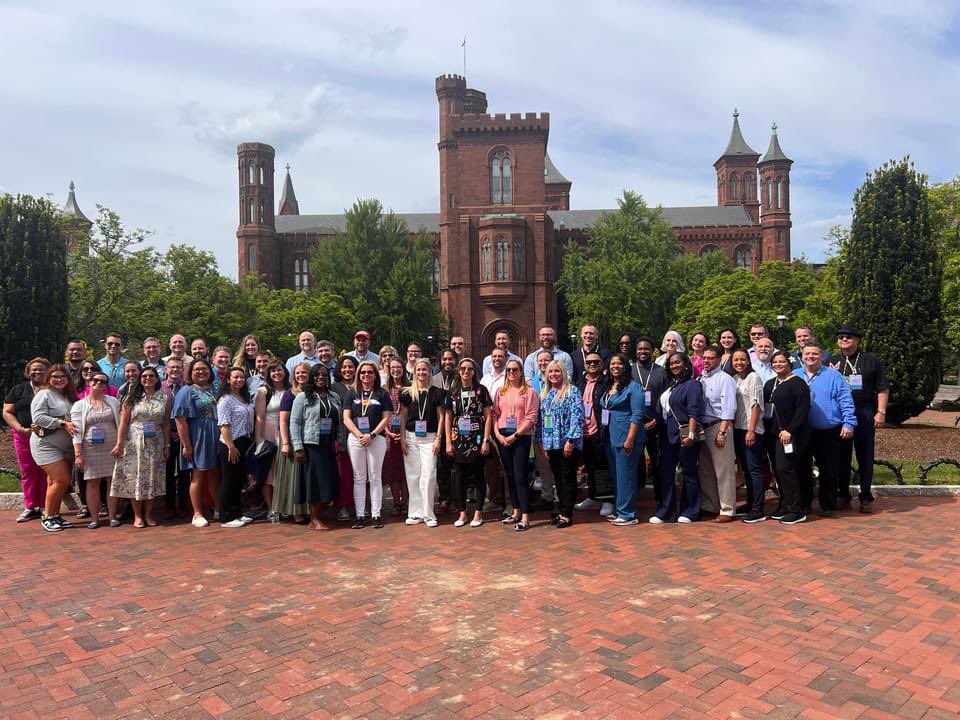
699 435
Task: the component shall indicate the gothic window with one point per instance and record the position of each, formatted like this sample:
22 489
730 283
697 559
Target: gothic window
251 258
708 249
251 213
501 179
743 257
749 189
263 213
503 259
261 174
769 193
485 261
517 260
252 168
301 274
733 187
780 199
436 276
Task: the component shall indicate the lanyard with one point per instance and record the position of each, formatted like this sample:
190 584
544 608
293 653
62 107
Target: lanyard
326 406
643 383
856 362
365 402
777 382
421 409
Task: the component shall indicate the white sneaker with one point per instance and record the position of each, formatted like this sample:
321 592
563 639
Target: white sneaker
655 521
588 504
459 523
246 519
199 521
413 521
607 510
476 523
684 519
432 523
238 523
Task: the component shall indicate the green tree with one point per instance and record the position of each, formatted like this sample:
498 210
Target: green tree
383 273
892 283
33 284
691 271
945 227
616 279
823 310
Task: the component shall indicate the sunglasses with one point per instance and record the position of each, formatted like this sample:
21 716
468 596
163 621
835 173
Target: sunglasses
98 381
513 369
88 370
759 334
592 362
845 337
367 372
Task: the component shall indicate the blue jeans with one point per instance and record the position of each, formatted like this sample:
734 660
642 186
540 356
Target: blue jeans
751 462
623 469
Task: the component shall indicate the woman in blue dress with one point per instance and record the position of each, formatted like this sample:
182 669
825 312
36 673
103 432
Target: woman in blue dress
623 436
195 412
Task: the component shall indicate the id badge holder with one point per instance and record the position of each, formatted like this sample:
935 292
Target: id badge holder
395 423
149 429
511 423
788 449
548 422
326 425
420 428
768 411
97 435
463 426
647 398
855 382
363 423
605 417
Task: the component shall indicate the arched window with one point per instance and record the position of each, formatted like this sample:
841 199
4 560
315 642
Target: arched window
251 213
250 175
503 259
251 258
769 193
501 179
261 175
733 186
743 257
436 275
775 187
263 213
749 188
780 198
485 261
517 260
708 249
301 274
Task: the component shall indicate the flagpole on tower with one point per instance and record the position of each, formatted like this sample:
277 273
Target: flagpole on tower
464 46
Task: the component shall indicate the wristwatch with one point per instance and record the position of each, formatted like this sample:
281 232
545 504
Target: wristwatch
722 433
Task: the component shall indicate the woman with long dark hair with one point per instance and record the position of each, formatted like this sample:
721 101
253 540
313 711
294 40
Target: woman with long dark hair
729 341
267 411
748 433
51 443
286 470
467 431
678 413
444 380
622 418
314 425
142 447
627 345
235 417
16 414
698 343
195 411
393 470
516 408
97 417
787 405
365 414
345 377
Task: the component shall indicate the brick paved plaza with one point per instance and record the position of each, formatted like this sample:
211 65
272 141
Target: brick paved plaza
855 616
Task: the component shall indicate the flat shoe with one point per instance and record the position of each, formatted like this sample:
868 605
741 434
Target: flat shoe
476 523
459 523
115 523
521 526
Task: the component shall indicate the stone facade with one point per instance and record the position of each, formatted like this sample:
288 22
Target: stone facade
505 217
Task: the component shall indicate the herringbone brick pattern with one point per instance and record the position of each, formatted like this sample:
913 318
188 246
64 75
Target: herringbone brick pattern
844 618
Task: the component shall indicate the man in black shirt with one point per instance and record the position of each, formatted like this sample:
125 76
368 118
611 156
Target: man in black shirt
653 379
589 343
867 379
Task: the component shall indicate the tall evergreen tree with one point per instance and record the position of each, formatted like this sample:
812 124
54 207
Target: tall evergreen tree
891 281
33 284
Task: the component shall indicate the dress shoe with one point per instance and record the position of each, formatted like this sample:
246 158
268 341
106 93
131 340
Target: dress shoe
866 507
843 503
724 518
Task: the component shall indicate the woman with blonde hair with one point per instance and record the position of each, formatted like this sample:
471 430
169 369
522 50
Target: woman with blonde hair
516 408
246 356
421 412
387 353
560 434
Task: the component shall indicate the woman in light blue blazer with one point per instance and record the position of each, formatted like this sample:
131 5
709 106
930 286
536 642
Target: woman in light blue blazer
621 415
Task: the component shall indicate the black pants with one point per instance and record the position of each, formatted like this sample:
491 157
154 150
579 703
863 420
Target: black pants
564 471
599 485
516 463
177 481
825 449
467 475
864 442
232 478
791 496
444 471
652 446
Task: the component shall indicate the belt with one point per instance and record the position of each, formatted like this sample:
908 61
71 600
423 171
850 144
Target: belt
709 424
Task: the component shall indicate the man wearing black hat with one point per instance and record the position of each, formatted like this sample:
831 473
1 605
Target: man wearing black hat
867 379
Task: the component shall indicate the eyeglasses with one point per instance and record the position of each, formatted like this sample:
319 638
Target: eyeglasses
58 377
98 381
367 372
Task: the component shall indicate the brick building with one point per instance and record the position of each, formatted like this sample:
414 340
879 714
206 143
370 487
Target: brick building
505 216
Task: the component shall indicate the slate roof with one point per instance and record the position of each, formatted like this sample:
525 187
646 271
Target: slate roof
329 224
551 175
774 152
737 145
288 198
71 208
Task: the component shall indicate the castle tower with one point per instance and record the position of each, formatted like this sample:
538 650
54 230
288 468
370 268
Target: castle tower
737 173
257 248
76 224
288 198
497 258
557 186
775 201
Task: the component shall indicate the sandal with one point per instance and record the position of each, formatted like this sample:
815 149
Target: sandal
509 519
563 522
521 526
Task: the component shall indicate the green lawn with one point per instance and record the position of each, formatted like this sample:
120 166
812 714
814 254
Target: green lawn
940 475
9 483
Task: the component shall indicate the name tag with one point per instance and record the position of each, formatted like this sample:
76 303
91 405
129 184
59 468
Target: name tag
420 428
97 435
363 423
326 425
855 382
548 422
511 423
395 423
605 417
768 411
648 398
788 448
464 426
149 429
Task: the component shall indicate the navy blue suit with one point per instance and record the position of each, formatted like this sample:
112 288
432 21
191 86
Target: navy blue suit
686 401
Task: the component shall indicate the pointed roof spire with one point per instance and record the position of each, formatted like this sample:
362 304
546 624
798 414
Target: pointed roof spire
551 175
71 209
774 152
288 198
737 145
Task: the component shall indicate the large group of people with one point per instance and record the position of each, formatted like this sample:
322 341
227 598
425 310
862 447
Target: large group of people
321 431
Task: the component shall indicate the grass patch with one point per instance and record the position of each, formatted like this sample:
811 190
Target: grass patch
9 483
940 475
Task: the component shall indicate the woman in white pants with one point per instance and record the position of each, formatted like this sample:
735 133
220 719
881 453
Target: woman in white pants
366 413
421 413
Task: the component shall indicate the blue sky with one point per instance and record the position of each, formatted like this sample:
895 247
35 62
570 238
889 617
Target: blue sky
143 104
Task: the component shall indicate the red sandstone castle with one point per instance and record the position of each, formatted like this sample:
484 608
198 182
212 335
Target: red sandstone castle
505 216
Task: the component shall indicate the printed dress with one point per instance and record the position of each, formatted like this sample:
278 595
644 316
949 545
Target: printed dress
141 472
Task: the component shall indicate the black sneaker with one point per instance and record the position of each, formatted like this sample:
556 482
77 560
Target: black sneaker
52 524
377 522
793 519
359 523
33 513
754 517
83 513
780 514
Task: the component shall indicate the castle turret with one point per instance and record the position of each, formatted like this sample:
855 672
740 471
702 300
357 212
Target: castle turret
77 225
737 173
256 235
288 198
775 196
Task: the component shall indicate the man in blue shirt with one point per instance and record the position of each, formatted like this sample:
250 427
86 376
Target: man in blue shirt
832 418
718 470
548 341
112 363
308 352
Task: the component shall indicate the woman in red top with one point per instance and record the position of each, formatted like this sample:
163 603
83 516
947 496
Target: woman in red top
515 410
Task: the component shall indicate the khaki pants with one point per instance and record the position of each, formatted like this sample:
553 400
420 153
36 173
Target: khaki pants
718 473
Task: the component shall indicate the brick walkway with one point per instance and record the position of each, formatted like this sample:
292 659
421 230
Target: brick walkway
851 617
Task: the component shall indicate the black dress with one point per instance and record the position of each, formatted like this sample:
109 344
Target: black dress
320 479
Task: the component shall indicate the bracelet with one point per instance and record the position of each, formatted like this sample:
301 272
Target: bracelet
722 433
881 412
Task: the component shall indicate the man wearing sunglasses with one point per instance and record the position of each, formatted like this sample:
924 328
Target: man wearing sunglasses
112 363
867 379
758 331
589 343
